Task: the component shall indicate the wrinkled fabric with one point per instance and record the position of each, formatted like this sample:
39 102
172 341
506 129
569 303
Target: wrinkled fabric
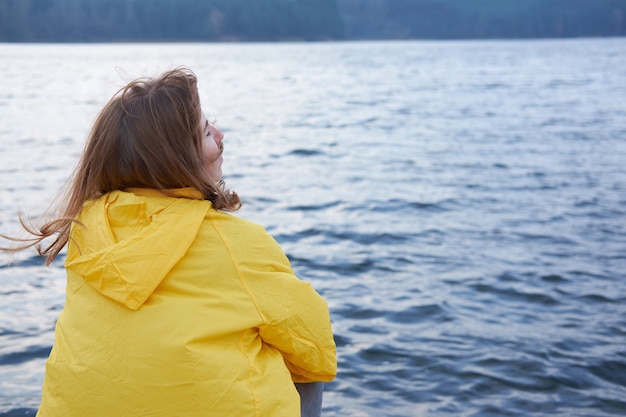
176 309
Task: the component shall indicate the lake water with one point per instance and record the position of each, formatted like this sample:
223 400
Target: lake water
461 206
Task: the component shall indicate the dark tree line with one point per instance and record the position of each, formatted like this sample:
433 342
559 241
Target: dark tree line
271 20
458 19
168 20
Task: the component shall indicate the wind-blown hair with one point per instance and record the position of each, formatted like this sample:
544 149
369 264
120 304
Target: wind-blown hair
148 136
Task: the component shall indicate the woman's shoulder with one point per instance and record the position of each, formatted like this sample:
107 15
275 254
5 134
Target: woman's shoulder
234 223
248 242
247 232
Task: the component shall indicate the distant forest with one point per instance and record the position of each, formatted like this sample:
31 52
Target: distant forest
309 20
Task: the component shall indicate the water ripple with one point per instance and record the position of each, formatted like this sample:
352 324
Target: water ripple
470 243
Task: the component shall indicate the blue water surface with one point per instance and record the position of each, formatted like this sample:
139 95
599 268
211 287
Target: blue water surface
461 206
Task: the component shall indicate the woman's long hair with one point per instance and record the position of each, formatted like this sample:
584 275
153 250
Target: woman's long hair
148 136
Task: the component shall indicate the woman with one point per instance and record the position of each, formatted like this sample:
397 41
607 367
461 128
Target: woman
173 307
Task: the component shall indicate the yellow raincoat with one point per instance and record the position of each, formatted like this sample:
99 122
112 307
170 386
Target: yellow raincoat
176 309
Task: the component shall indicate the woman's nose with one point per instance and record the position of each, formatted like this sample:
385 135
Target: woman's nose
218 135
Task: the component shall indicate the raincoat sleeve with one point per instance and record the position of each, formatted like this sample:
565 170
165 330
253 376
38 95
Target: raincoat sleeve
296 319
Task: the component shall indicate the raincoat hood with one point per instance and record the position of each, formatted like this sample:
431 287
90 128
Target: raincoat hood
126 243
